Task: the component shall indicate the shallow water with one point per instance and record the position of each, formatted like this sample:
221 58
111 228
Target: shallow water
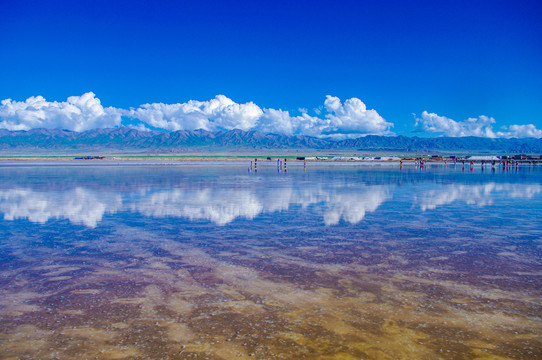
209 261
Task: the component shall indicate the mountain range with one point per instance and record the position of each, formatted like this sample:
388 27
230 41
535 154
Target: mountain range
126 140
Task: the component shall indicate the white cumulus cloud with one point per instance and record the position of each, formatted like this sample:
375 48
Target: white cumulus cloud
521 131
281 122
220 113
351 119
481 126
77 113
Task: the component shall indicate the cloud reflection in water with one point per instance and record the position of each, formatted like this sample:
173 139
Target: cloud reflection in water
223 203
218 205
79 205
477 194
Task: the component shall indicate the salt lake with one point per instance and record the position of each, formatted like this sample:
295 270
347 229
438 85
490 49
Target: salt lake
208 260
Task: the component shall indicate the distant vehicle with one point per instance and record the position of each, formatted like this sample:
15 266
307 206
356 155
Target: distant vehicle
90 158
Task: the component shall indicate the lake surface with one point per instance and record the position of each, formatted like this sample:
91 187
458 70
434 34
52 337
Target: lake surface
210 261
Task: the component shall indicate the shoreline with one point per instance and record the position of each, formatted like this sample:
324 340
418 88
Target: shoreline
262 159
263 162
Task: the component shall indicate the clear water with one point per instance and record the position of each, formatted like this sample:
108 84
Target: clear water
209 261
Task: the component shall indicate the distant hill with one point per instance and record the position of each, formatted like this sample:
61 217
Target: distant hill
126 140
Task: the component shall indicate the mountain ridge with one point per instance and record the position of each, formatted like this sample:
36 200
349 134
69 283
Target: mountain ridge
124 139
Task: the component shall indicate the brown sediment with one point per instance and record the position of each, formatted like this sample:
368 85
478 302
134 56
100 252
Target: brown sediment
275 305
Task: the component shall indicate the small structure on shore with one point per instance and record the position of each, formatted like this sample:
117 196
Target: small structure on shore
483 158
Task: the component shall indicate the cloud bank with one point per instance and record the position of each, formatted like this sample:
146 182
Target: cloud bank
334 119
481 126
221 113
85 112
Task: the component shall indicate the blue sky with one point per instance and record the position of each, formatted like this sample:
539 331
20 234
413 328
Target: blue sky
452 60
